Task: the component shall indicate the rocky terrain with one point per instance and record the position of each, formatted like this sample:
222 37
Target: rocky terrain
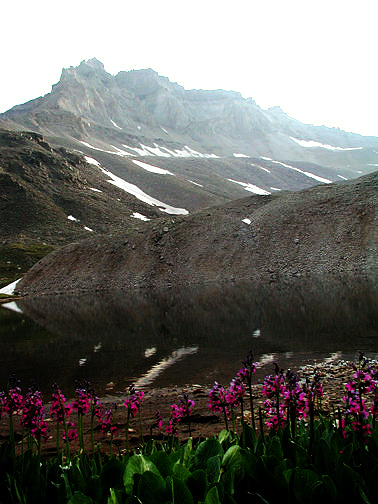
103 154
142 113
307 237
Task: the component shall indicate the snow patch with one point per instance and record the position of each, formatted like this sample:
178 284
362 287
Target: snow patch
246 220
91 160
155 151
88 229
152 168
94 189
261 167
275 189
10 288
340 176
239 154
72 218
251 187
313 143
142 196
308 174
266 158
195 183
165 131
137 215
118 152
115 124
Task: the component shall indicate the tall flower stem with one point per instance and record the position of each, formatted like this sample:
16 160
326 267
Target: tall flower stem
80 428
127 430
251 402
225 416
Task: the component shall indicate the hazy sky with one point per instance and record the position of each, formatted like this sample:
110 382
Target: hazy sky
316 59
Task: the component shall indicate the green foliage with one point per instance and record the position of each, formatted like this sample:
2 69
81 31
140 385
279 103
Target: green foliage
223 470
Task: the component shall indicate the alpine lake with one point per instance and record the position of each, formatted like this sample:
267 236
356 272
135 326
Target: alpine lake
182 336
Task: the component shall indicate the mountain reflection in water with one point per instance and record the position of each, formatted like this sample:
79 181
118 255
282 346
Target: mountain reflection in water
181 336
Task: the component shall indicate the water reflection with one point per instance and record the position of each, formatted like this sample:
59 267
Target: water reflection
180 336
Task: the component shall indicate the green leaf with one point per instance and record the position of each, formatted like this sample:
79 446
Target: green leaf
137 464
80 498
197 484
112 475
212 496
163 462
180 492
233 459
188 453
249 436
213 469
133 500
181 472
152 488
115 497
207 449
330 486
305 482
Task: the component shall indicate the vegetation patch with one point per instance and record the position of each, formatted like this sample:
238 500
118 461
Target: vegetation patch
288 453
17 258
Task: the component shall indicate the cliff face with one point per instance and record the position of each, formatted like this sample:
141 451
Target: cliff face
142 107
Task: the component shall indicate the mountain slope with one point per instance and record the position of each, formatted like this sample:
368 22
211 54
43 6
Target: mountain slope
305 237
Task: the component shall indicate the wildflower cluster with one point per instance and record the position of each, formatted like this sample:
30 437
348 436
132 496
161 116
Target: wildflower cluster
225 401
33 414
364 382
179 413
133 401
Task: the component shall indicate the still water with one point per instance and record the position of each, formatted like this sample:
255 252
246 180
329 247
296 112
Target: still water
181 336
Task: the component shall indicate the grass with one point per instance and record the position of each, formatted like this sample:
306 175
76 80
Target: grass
17 258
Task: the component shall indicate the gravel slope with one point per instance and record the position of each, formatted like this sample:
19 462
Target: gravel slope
309 236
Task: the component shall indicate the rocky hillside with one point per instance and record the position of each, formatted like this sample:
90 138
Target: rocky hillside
306 237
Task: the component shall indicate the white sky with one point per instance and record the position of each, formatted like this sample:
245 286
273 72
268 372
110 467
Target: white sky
316 59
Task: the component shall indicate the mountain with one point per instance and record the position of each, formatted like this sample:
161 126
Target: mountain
322 236
140 113
101 151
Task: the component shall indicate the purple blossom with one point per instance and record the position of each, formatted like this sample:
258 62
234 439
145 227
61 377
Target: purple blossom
133 401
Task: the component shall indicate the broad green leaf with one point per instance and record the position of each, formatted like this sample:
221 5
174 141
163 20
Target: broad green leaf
249 437
115 497
197 484
163 462
180 492
181 472
330 486
80 498
112 474
133 500
137 464
152 488
233 460
188 453
212 496
213 469
207 449
305 481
